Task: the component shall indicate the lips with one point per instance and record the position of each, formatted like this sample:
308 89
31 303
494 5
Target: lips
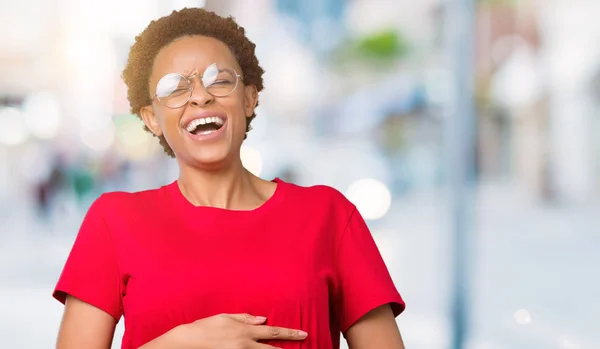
205 126
204 118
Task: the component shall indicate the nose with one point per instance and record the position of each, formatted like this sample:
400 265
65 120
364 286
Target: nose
200 97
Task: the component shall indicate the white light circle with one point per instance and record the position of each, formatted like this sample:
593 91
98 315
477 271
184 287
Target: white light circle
42 115
252 160
98 138
371 197
12 128
522 317
568 342
133 141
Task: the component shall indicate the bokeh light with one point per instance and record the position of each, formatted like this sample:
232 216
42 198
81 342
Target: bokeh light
522 317
42 115
252 160
13 130
371 197
568 342
133 141
99 138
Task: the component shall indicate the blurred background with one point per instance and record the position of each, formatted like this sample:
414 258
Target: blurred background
467 134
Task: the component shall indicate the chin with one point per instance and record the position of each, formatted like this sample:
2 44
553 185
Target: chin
211 158
213 152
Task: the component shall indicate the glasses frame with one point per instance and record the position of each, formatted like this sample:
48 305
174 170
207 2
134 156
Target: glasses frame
192 87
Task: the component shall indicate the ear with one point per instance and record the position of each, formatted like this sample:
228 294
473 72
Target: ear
151 120
251 94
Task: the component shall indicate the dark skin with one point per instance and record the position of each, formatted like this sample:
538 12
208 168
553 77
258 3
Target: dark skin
211 174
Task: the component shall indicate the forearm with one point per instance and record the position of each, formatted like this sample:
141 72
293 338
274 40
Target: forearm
169 340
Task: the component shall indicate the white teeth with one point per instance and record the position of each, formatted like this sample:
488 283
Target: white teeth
191 126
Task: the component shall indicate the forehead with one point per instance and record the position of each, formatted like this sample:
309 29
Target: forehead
192 54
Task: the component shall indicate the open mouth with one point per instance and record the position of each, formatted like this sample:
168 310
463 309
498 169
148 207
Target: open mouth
205 126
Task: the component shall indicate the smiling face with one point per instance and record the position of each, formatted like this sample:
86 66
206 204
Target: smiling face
207 131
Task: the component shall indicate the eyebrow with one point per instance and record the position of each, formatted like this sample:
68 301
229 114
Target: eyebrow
189 72
196 71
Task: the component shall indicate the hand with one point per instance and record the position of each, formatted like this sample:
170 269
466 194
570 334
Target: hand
234 331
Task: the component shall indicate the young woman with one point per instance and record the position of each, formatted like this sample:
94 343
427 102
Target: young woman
219 258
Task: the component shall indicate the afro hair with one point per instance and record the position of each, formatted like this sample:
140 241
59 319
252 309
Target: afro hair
186 22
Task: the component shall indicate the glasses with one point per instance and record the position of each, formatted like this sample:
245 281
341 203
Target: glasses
175 90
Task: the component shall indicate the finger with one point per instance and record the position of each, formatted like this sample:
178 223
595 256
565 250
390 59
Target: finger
272 332
247 318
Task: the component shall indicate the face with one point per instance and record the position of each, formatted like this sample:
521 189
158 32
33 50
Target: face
193 129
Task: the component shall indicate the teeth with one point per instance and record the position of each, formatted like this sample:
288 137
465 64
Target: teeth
207 132
203 121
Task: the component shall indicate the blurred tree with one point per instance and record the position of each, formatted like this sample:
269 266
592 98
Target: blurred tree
384 47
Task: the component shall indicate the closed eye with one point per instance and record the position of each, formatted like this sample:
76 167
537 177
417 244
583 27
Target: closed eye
178 91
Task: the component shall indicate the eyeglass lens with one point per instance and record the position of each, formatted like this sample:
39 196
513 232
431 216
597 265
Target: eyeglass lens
174 90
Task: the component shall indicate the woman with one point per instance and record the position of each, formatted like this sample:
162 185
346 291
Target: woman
219 258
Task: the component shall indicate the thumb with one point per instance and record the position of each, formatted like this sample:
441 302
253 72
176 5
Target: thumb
248 319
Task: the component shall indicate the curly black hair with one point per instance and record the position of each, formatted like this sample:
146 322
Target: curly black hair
186 22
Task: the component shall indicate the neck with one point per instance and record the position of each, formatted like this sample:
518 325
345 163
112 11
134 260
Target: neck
233 187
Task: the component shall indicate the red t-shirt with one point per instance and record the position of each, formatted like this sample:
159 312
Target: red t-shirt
305 259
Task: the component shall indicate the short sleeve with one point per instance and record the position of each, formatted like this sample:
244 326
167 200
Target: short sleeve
91 272
364 282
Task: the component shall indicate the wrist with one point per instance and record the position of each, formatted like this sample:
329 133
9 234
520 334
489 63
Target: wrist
180 337
186 336
174 338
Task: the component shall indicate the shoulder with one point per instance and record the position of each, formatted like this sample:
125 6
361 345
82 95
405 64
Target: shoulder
117 196
109 203
321 198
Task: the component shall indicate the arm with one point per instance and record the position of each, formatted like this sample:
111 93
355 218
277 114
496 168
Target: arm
90 286
85 326
224 331
165 341
368 300
376 330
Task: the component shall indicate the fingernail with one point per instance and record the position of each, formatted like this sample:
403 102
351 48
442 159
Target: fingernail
261 318
302 334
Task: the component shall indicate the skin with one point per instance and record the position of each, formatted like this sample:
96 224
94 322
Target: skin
377 329
211 174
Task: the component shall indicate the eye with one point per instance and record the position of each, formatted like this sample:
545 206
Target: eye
171 84
221 82
179 90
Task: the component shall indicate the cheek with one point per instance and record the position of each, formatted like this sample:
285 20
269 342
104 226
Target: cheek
168 118
236 109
